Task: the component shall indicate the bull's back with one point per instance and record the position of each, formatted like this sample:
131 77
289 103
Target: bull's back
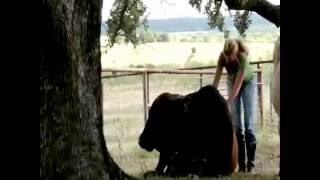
213 130
197 125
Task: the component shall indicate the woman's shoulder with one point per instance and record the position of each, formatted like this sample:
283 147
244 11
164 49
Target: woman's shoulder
221 59
243 56
221 55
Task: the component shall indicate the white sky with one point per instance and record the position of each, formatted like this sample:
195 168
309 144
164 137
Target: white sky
158 10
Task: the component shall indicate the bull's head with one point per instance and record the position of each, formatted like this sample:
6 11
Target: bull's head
163 115
148 137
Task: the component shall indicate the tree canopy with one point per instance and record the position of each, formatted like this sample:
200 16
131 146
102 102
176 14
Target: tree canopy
126 16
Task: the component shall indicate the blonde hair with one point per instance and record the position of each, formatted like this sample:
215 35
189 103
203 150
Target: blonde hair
232 45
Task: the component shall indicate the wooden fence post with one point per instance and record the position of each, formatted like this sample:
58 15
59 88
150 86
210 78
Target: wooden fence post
148 92
145 82
102 100
200 80
260 96
270 102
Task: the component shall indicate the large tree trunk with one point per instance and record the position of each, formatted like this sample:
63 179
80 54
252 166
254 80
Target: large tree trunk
72 143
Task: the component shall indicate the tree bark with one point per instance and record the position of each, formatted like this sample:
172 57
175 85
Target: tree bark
262 7
72 144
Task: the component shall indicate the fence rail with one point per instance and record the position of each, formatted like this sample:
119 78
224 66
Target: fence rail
145 72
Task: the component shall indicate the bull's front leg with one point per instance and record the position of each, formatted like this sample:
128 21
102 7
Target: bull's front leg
163 162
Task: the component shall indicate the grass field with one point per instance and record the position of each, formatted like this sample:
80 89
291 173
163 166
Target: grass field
176 53
123 101
123 120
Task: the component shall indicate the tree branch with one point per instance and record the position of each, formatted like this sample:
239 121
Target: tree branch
121 19
264 8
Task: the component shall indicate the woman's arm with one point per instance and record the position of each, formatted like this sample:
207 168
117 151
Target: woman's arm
237 85
217 77
218 72
243 58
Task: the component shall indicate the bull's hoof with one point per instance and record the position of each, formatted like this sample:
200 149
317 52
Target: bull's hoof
193 177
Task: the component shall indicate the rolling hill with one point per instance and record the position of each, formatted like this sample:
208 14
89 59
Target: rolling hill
200 24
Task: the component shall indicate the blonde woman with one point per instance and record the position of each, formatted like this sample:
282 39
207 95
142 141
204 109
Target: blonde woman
241 88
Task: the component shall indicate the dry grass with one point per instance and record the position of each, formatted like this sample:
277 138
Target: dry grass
123 120
175 53
123 104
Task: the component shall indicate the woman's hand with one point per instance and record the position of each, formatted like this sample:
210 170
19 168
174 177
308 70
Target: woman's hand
230 99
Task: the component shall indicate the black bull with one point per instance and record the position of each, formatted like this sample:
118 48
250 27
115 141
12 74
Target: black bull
194 134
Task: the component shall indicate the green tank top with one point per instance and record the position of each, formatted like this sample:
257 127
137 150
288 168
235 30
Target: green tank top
233 68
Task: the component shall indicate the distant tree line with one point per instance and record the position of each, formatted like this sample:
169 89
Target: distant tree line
254 36
148 37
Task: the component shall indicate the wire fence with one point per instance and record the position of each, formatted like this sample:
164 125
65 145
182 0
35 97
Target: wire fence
123 96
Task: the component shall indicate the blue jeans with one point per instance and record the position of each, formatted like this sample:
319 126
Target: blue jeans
247 95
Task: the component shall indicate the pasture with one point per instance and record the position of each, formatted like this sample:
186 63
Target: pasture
175 53
123 101
123 120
